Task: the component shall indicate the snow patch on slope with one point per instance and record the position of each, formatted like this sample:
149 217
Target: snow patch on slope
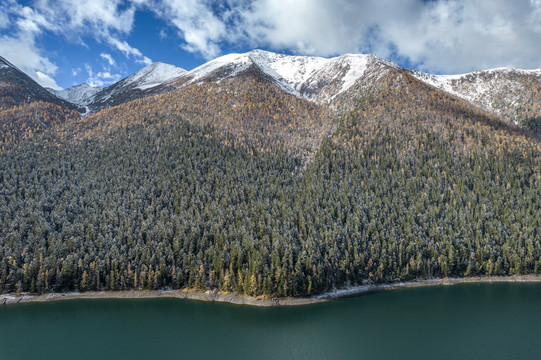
357 67
505 91
289 71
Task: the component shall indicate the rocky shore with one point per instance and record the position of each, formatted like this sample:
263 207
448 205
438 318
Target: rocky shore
216 296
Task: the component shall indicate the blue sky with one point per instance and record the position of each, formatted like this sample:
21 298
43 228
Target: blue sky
61 43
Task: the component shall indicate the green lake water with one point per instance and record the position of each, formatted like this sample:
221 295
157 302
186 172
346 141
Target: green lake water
470 321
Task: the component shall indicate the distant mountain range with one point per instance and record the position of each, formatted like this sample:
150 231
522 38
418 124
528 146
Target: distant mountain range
511 94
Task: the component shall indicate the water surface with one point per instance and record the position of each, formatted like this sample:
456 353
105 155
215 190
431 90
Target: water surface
469 321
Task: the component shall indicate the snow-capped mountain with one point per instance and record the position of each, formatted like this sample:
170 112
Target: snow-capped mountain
513 93
313 78
134 85
81 94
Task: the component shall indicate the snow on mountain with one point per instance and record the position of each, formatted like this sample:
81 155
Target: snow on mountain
337 81
288 72
473 86
236 62
512 93
82 94
134 85
153 75
309 77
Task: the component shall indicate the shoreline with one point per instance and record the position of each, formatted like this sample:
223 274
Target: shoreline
216 296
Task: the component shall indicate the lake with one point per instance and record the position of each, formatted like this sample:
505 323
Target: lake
468 321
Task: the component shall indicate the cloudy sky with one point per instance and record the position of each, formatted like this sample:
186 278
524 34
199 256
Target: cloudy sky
61 43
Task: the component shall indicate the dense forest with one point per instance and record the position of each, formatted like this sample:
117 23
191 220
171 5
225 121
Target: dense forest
406 187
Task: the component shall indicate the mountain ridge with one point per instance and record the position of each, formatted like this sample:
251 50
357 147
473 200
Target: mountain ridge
513 94
134 85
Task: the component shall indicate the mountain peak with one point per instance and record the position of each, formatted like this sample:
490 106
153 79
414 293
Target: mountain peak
302 76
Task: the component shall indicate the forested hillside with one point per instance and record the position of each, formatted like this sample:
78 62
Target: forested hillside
248 107
220 194
24 121
26 108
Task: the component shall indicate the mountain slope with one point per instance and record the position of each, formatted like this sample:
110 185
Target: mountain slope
26 108
17 88
312 78
512 93
247 105
174 191
135 85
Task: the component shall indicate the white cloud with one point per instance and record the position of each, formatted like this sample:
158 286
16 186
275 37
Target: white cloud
145 61
88 70
21 51
4 19
444 36
124 47
307 27
33 22
200 29
101 78
109 58
458 36
105 20
19 46
439 36
109 76
102 17
47 81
